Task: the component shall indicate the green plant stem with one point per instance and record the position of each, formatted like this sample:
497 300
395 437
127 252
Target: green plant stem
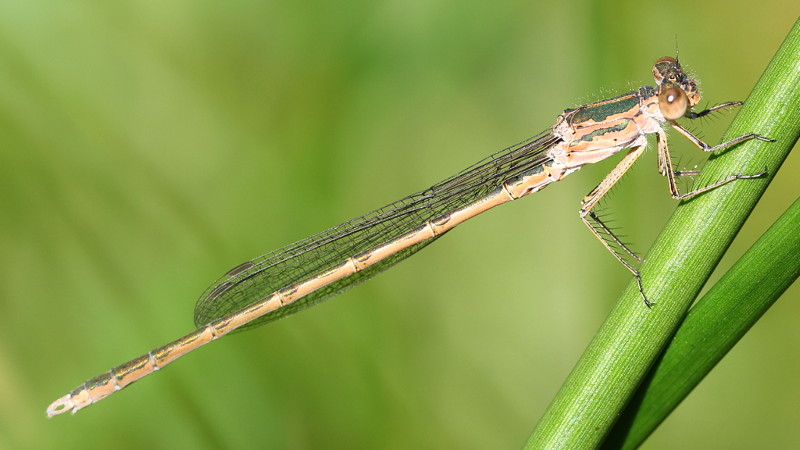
679 264
713 327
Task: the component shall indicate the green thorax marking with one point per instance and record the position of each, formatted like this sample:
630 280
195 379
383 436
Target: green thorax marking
600 111
601 132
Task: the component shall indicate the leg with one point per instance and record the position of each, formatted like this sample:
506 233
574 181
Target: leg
665 162
706 148
705 112
599 229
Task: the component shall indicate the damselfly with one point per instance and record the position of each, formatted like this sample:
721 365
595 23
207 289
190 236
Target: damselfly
298 276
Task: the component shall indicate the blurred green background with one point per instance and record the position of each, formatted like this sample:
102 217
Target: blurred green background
148 147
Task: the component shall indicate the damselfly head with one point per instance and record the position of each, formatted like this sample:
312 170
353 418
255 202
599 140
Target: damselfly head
677 92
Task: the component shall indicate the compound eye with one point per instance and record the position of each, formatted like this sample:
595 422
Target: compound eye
673 103
667 59
664 66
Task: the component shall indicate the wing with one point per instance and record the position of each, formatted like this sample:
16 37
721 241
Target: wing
250 282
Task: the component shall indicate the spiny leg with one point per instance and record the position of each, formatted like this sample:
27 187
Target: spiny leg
610 234
705 112
662 164
707 148
608 237
665 162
